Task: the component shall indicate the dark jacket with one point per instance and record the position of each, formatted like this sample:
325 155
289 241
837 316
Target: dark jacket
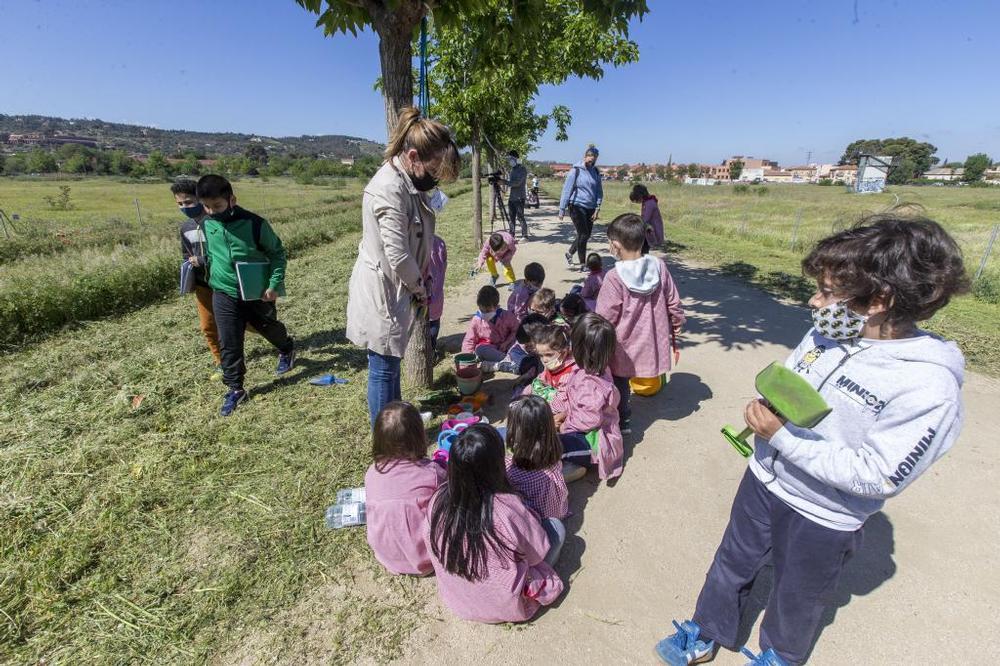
193 245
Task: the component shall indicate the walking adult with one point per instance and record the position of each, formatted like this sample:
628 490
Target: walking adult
389 281
517 182
582 194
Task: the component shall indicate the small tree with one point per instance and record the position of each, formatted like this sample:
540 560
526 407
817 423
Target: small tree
975 166
694 170
735 170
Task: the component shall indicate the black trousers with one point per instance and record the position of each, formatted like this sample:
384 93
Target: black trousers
583 222
231 318
516 210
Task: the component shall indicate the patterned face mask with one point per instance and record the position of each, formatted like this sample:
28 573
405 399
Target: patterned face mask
838 322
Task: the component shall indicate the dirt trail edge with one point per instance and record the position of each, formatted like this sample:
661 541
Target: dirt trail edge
638 552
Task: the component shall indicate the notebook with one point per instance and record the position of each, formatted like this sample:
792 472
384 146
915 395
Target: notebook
254 277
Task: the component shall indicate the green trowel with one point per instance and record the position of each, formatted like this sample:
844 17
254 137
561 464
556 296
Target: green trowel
790 396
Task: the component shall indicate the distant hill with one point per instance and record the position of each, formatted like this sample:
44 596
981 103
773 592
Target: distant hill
139 139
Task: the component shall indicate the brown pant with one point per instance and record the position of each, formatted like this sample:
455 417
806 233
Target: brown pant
206 320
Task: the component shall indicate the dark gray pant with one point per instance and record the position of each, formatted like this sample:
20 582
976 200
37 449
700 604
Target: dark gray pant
583 222
808 560
516 210
231 318
624 399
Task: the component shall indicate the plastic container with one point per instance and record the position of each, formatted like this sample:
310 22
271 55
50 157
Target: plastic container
647 386
351 514
348 495
469 379
466 360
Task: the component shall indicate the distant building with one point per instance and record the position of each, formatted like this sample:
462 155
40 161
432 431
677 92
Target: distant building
777 176
753 174
803 174
560 170
945 174
347 161
39 139
688 180
844 173
750 162
992 175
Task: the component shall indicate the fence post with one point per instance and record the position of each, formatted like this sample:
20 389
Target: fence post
138 213
986 255
795 229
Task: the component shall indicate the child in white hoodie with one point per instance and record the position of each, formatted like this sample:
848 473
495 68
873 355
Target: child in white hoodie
895 394
640 300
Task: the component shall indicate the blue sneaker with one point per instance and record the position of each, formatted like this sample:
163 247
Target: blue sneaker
285 362
767 658
684 647
232 400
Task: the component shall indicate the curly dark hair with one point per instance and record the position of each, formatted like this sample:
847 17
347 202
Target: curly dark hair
902 256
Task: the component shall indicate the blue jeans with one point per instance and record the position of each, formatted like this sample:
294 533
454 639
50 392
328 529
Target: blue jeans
383 382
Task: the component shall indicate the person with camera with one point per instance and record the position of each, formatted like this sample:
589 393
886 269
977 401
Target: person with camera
581 196
517 182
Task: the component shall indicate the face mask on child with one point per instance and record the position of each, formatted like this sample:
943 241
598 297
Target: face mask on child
838 322
552 365
194 211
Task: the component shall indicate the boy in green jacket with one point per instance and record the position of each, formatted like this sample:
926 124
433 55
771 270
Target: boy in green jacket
234 235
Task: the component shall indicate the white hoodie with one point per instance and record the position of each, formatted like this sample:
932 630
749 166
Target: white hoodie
896 409
641 275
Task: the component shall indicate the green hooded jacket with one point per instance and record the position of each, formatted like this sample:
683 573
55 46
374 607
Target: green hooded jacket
232 241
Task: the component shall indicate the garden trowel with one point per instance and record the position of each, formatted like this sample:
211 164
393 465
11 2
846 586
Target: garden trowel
789 396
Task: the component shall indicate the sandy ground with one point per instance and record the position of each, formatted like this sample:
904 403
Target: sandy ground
924 583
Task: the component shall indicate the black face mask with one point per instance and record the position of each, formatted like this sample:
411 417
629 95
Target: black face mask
224 216
424 183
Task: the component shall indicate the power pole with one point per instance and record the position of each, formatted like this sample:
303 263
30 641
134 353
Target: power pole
809 156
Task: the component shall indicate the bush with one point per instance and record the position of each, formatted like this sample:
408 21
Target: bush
987 288
825 182
741 189
761 191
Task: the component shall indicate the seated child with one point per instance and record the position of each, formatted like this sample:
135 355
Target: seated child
499 247
435 292
521 357
640 300
595 278
571 307
808 492
534 467
552 347
492 329
543 302
492 556
534 276
650 216
586 406
398 489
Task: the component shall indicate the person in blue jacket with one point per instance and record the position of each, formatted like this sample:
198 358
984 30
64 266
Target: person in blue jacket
581 196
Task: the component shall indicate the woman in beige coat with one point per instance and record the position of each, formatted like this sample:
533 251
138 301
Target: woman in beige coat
389 280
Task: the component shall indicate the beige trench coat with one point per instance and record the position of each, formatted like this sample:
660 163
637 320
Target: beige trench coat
396 239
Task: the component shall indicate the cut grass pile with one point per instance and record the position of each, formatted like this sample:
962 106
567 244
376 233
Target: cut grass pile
137 526
750 236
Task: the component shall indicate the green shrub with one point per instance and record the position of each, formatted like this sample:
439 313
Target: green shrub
987 288
761 191
742 188
825 182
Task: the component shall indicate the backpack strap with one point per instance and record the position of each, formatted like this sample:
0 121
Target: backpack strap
572 191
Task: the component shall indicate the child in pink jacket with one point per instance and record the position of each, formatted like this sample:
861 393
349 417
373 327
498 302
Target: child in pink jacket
492 330
534 467
650 215
398 489
586 407
534 277
595 278
500 248
641 301
496 570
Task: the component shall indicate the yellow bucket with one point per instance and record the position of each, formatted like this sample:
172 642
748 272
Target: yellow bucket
647 386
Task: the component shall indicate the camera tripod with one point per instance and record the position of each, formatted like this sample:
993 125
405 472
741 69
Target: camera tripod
498 203
7 224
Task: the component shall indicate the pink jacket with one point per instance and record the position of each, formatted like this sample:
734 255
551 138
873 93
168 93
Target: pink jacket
591 288
436 272
654 221
591 403
646 323
396 505
515 585
502 257
518 300
544 490
500 332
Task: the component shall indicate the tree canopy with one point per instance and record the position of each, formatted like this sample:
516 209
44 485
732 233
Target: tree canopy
912 157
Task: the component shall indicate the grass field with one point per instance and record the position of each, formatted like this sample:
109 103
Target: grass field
750 236
139 527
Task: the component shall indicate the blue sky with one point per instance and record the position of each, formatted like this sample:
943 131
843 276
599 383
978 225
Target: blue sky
774 79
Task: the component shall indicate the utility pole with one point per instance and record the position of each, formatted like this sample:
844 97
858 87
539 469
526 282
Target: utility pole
809 156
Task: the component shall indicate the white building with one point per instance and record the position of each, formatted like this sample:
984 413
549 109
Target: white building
946 174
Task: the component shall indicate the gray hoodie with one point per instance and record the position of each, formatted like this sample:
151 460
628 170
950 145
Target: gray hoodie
897 408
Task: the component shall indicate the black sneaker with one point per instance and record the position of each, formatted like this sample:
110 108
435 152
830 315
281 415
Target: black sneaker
285 362
232 400
625 425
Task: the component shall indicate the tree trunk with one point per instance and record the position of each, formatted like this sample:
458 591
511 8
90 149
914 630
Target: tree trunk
477 191
395 29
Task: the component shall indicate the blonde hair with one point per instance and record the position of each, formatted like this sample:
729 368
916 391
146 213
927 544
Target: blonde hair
544 298
429 138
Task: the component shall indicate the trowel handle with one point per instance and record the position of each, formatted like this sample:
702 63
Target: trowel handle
739 440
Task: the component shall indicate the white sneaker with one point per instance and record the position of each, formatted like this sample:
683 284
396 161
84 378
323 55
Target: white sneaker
488 366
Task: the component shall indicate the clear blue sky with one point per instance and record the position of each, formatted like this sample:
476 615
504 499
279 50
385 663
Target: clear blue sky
773 79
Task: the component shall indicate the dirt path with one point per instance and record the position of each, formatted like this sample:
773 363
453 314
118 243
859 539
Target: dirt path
924 584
